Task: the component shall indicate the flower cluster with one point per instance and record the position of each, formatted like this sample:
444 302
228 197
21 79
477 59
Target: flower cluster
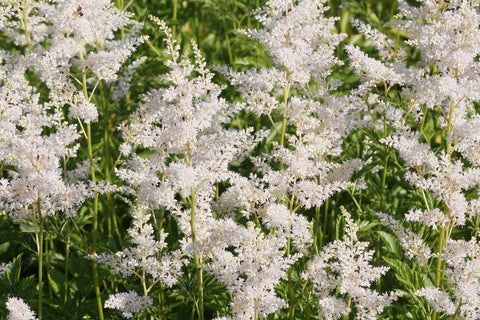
463 260
37 183
19 310
128 303
4 267
344 266
442 86
143 256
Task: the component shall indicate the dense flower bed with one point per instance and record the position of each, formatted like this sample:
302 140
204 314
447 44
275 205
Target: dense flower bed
337 179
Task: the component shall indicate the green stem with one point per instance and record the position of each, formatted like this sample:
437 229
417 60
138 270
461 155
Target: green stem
316 230
197 259
227 41
108 171
161 298
25 29
422 124
174 17
257 5
291 304
325 218
384 180
95 199
107 176
440 5
457 310
385 163
347 314
378 261
351 193
286 91
65 282
438 269
46 262
477 224
95 223
198 264
291 294
449 127
40 264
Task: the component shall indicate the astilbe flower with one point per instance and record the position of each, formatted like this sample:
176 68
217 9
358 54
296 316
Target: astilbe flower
4 267
82 35
389 70
124 80
448 40
444 84
19 310
250 264
35 183
183 126
301 42
183 122
463 274
445 179
147 260
344 266
128 303
447 37
142 259
299 38
20 21
413 245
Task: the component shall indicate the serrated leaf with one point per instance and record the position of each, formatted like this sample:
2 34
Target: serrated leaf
391 242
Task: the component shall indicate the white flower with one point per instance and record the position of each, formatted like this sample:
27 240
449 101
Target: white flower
128 303
141 259
332 308
438 299
123 82
86 111
35 139
252 271
4 267
343 265
19 310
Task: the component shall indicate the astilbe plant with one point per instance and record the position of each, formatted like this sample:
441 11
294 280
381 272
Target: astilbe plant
441 88
308 124
141 261
182 125
68 48
313 122
35 186
243 206
343 266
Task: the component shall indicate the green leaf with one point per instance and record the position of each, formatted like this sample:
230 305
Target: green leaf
391 242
